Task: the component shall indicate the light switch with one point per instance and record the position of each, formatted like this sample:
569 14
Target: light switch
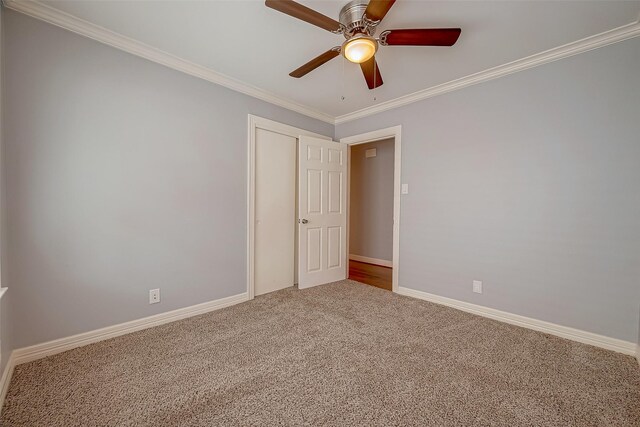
405 189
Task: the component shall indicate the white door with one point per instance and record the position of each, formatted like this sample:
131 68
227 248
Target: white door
322 217
275 211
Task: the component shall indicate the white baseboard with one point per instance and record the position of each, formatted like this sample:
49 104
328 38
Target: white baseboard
368 260
38 351
5 379
527 322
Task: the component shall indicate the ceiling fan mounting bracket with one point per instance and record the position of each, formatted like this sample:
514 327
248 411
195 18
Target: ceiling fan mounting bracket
370 24
382 39
340 30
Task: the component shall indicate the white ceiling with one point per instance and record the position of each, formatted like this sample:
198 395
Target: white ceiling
257 45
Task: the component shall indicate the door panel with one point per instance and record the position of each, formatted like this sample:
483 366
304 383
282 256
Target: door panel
322 214
314 249
334 247
314 191
275 193
314 153
335 192
335 156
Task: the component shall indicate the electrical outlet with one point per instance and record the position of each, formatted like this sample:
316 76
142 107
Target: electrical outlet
154 296
477 286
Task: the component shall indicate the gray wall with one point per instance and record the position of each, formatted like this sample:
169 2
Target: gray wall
371 201
530 183
5 307
122 176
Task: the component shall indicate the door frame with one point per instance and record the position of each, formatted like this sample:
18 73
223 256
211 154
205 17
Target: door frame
377 135
255 123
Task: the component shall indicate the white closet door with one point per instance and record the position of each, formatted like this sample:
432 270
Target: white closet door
275 193
322 185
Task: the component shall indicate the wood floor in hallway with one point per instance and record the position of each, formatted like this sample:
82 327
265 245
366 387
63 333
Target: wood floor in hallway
371 274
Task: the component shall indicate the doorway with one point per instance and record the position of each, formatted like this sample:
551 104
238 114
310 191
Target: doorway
371 213
377 269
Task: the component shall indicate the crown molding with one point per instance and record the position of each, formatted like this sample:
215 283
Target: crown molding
574 48
69 22
127 44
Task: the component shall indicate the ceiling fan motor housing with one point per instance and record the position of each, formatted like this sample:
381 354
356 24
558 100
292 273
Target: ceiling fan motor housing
352 17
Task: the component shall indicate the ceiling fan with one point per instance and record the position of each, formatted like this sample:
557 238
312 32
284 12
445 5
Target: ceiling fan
358 22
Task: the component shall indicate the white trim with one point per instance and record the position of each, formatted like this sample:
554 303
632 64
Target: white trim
256 122
589 43
127 44
5 379
125 328
2 291
38 351
374 261
394 132
527 322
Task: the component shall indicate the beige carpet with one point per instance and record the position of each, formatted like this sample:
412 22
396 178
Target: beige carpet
340 354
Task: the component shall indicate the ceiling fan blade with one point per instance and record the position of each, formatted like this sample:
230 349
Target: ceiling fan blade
299 11
371 73
420 37
315 62
377 9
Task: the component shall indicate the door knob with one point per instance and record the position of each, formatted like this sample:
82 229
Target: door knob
303 221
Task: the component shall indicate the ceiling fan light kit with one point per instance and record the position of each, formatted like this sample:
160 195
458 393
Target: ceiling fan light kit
359 48
358 22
